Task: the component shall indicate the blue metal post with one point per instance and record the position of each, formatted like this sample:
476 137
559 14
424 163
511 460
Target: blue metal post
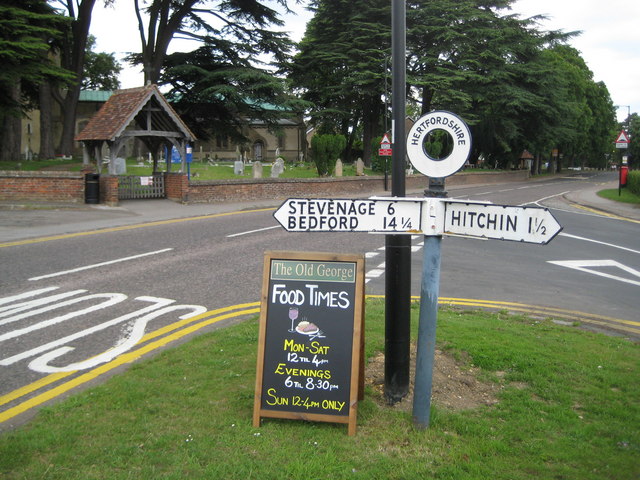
429 292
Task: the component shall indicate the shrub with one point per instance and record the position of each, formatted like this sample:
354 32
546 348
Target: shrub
633 181
325 150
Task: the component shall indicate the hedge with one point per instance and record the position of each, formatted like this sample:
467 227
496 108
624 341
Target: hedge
633 181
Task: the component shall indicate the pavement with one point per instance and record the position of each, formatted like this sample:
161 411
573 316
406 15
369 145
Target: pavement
589 198
22 222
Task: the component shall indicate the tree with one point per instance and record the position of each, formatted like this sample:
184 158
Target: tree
245 26
27 28
215 90
100 69
583 111
602 127
73 49
340 68
472 58
633 122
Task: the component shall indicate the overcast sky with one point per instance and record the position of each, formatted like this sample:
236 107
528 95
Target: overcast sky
609 43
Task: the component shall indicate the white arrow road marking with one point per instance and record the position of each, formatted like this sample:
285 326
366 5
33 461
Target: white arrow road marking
588 265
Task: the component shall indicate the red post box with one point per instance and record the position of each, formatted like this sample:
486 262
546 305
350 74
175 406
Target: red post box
624 171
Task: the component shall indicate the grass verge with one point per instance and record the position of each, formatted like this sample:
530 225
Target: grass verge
626 196
568 408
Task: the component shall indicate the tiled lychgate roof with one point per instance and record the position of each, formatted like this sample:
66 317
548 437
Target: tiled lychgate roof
142 108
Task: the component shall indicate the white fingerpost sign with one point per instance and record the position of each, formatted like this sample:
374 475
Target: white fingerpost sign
376 215
501 222
461 138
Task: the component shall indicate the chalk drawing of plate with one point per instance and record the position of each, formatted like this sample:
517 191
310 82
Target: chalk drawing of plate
306 328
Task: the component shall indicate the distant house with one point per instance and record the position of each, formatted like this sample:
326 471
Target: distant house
262 142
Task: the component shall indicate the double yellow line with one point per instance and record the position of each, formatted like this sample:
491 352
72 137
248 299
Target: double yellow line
202 320
559 313
603 213
175 331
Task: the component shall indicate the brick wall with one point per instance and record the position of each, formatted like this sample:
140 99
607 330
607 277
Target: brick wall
42 186
279 188
69 187
176 187
109 190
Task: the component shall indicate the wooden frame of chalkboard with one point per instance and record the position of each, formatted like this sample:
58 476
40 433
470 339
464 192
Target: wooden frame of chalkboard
311 341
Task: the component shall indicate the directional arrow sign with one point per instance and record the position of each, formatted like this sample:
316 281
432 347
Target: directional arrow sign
426 216
349 215
520 224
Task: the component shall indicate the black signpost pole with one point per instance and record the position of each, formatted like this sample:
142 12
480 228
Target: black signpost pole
397 247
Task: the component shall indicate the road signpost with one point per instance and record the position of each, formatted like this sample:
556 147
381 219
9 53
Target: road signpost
419 216
622 141
375 215
432 216
501 222
385 149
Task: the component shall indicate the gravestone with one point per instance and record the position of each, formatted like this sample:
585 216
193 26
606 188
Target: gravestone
278 168
359 167
256 170
337 172
121 166
238 167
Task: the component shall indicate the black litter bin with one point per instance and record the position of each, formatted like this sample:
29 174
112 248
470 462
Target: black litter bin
92 188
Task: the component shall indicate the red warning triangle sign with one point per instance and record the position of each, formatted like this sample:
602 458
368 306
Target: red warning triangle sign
622 138
385 140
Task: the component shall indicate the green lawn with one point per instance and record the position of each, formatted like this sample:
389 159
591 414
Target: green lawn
625 195
199 170
58 164
567 408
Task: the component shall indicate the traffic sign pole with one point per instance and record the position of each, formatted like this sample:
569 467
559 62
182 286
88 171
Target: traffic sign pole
433 217
397 247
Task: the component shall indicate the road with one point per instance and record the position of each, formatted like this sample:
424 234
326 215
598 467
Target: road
74 310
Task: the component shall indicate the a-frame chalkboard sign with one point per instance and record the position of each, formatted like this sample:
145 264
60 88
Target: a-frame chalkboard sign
310 363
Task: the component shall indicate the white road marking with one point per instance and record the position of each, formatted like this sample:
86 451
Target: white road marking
568 235
28 305
41 364
102 264
158 303
588 265
20 296
111 299
252 231
537 202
